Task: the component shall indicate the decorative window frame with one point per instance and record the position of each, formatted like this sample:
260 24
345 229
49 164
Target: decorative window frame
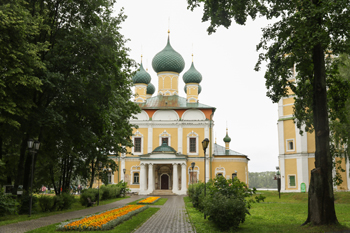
287 145
295 180
135 169
192 134
137 134
220 170
189 170
165 134
111 174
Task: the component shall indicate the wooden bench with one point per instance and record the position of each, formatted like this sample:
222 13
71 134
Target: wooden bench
90 203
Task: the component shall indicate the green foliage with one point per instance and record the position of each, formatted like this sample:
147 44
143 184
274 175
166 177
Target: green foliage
110 191
226 202
89 193
64 201
24 203
8 204
46 203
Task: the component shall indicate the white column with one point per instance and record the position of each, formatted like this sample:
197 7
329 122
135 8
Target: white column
347 173
183 179
142 178
149 139
175 179
207 168
283 173
150 178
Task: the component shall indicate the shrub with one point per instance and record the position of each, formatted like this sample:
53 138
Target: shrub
8 205
63 201
227 202
123 187
46 203
197 195
89 193
110 191
24 203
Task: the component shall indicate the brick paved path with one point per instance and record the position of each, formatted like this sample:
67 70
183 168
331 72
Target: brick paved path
170 218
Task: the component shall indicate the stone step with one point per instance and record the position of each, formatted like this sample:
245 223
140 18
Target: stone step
162 192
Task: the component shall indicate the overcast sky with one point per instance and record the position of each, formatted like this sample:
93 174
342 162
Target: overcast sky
226 61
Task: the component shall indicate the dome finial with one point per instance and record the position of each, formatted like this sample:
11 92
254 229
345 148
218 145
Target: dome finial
141 57
227 139
168 25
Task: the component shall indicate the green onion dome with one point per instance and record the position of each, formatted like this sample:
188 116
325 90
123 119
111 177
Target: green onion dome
168 60
192 75
199 89
164 148
150 89
227 138
142 76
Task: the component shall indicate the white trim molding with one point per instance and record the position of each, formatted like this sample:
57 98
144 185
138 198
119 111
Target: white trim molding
134 169
165 134
287 145
195 169
220 170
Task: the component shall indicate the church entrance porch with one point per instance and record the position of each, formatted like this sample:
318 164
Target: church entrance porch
159 175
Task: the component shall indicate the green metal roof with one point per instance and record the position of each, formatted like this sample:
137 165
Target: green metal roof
168 60
171 102
164 148
151 89
192 75
220 150
142 76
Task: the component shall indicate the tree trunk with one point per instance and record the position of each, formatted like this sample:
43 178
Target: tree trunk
321 198
20 167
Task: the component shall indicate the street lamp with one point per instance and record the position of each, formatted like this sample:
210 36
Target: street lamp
98 169
33 147
192 165
124 170
205 144
278 176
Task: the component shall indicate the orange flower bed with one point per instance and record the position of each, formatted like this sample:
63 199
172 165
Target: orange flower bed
98 220
149 200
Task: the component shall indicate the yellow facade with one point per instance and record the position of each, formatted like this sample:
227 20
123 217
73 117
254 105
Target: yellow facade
168 83
291 170
289 134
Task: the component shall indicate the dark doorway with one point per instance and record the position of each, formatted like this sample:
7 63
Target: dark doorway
164 181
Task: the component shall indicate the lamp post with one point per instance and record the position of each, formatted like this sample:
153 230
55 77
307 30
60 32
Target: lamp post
205 144
124 170
98 169
33 147
192 166
278 176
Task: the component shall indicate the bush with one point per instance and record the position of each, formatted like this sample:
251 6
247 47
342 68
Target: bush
89 193
110 191
24 203
197 195
46 203
227 201
63 201
8 205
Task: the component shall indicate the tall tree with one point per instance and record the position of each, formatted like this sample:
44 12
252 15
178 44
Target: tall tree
83 104
305 36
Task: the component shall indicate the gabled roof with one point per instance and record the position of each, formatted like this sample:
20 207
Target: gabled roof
170 102
220 151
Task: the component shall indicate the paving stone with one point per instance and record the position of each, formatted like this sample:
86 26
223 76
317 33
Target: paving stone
170 218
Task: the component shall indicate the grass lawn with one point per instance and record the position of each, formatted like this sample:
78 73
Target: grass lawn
8 219
125 227
161 201
278 215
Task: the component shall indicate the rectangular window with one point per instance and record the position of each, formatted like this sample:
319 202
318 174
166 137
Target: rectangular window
166 140
137 145
193 145
290 145
136 178
291 181
109 178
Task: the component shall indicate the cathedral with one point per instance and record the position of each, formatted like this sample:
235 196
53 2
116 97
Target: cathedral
168 155
297 153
